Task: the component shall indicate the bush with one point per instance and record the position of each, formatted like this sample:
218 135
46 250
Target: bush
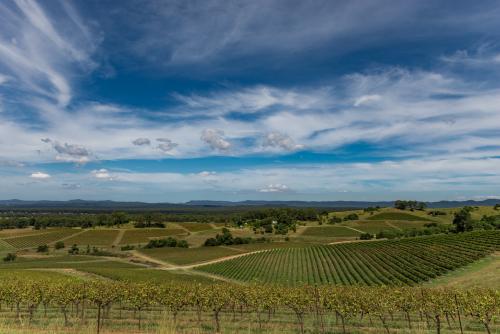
167 242
351 216
10 257
42 249
73 250
334 220
435 213
366 236
127 248
59 245
147 225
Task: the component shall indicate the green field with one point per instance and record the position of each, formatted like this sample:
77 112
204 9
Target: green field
196 227
330 231
184 256
147 275
44 237
142 236
93 238
397 216
406 261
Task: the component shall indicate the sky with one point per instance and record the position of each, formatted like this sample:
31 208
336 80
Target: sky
171 101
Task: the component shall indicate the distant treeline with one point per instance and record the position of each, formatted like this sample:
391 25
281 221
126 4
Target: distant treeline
283 216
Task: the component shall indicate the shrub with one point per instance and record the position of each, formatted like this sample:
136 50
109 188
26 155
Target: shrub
366 236
351 216
127 248
167 242
10 257
334 220
74 250
42 249
59 245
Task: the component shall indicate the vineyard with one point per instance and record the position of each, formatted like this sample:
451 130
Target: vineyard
188 308
42 238
390 262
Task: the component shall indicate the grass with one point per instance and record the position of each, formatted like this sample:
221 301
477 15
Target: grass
484 273
182 256
44 237
148 275
93 238
33 274
141 236
330 231
372 227
397 216
196 227
66 261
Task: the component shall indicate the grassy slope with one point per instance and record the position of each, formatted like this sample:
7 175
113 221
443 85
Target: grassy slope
483 273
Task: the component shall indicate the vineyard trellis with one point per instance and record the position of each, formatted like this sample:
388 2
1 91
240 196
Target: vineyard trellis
390 262
98 298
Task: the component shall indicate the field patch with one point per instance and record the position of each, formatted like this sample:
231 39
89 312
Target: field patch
142 236
330 231
196 227
93 238
43 238
391 262
148 275
397 216
183 256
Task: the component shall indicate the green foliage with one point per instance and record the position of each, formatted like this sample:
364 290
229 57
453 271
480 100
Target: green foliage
10 257
366 236
334 220
127 247
59 245
463 220
390 262
409 205
42 249
351 216
167 242
74 250
397 216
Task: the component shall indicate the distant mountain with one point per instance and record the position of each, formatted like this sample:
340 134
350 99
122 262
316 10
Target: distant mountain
83 205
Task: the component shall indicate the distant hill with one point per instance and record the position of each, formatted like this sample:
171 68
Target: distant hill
83 205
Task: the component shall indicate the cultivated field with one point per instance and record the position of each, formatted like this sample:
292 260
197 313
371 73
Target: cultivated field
268 285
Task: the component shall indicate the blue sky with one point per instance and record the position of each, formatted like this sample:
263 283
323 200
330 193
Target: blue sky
280 100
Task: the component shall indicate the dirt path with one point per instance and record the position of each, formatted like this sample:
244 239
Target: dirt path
69 236
150 259
354 229
393 226
220 259
183 268
119 238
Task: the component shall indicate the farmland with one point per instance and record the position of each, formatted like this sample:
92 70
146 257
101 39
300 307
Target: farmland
407 261
284 267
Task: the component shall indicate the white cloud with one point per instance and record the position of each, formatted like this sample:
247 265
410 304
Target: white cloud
141 142
166 145
215 138
3 79
102 174
366 99
274 188
40 176
281 140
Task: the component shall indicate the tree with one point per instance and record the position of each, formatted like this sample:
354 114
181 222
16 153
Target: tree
119 218
463 220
